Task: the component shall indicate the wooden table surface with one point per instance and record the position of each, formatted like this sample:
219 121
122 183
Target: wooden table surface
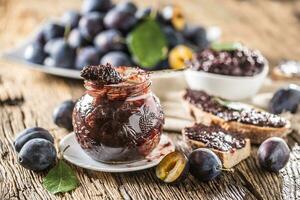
27 99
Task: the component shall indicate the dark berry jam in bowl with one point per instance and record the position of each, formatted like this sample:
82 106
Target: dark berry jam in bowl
240 61
233 74
120 122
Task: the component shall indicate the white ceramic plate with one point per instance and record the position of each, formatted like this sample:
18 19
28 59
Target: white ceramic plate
16 55
75 155
262 100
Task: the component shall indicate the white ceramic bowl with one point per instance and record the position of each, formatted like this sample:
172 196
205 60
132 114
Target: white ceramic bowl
229 87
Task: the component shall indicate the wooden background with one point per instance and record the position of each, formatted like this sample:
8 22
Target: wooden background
27 99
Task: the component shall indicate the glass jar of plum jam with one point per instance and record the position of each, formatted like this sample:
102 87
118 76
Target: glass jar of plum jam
119 123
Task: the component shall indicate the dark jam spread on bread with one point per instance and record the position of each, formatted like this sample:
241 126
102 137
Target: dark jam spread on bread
214 137
237 62
251 116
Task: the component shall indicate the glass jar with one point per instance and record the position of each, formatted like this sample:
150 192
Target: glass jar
118 123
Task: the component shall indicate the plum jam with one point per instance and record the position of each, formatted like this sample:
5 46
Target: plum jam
120 122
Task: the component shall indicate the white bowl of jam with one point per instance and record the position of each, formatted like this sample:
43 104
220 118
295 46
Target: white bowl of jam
232 74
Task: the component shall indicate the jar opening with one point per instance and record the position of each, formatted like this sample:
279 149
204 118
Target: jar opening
136 82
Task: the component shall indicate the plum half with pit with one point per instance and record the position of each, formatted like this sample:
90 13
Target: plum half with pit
204 164
173 168
173 15
273 154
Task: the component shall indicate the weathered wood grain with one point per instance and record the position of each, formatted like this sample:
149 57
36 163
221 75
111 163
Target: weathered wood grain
27 99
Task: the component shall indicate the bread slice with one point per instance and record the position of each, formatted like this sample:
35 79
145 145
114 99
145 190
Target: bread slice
230 155
256 133
277 74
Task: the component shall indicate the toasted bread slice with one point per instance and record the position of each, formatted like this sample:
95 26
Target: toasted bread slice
229 148
287 70
277 74
256 133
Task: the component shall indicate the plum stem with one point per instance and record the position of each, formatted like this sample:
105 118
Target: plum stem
67 31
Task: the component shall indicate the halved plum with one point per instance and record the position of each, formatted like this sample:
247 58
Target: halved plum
174 167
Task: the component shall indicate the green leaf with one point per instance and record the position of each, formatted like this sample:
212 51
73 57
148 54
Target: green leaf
147 43
61 178
225 46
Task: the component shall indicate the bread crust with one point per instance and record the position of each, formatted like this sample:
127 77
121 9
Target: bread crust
256 134
228 158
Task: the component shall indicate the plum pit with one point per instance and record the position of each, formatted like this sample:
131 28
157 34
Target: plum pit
173 168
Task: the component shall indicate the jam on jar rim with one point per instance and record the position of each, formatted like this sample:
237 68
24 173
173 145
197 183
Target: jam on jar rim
135 83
